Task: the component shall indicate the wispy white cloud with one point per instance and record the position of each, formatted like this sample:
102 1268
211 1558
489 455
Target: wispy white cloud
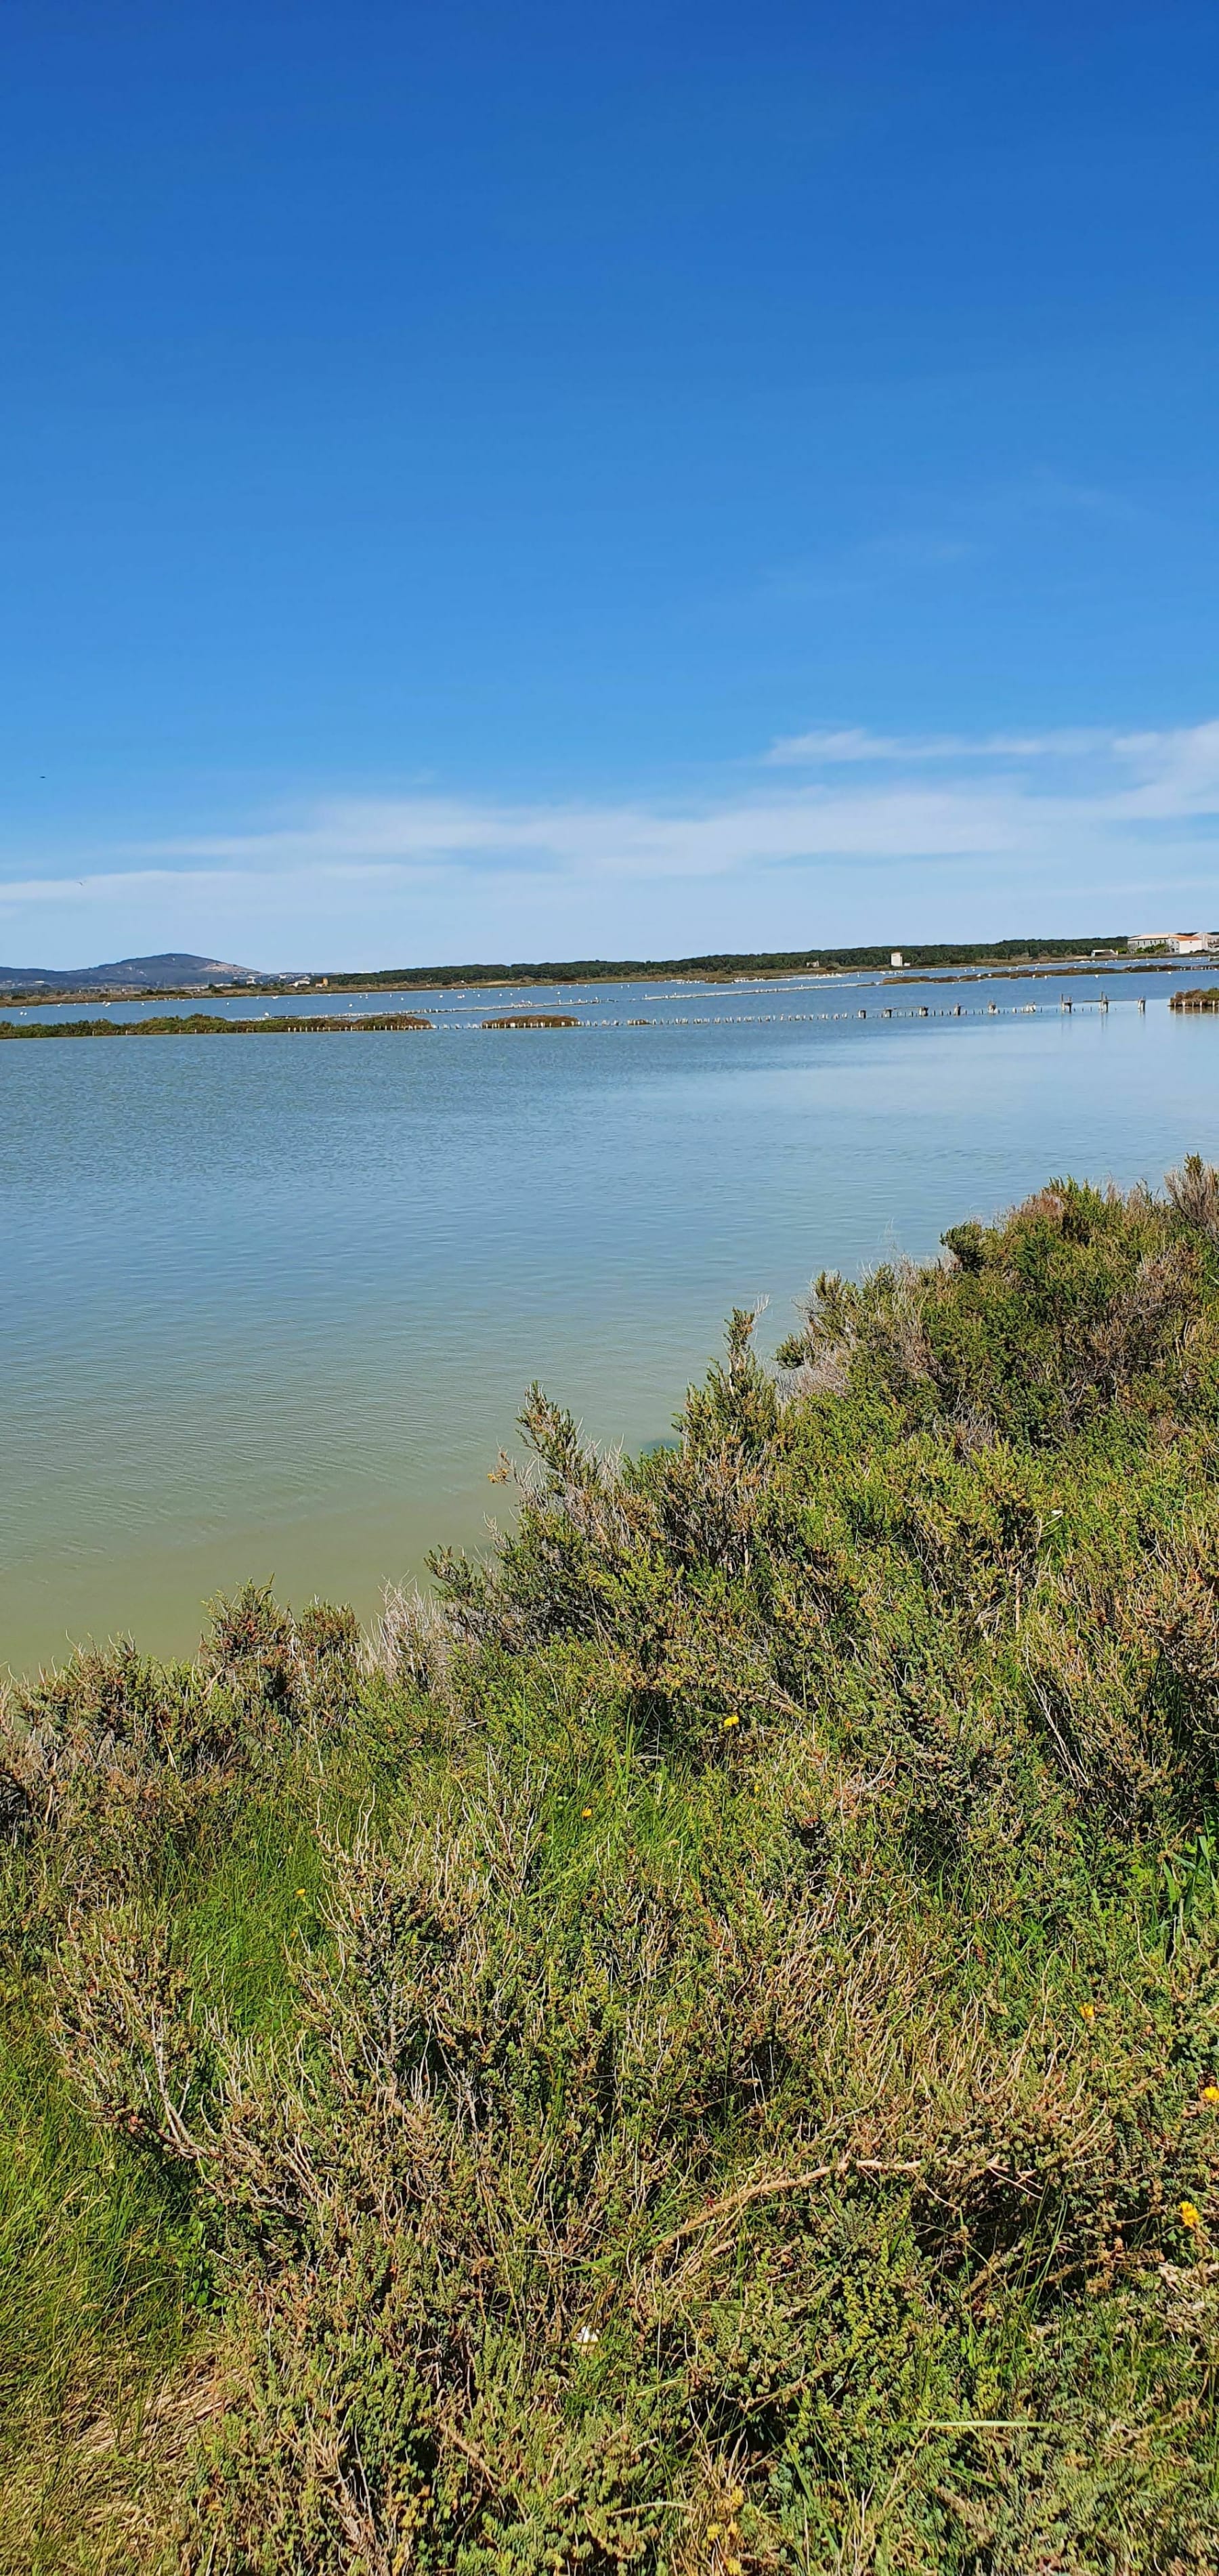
830 745
1176 775
1048 492
975 529
1011 819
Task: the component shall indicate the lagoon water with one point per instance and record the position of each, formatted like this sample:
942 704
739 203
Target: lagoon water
271 1303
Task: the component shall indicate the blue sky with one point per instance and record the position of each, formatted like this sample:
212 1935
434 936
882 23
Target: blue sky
535 480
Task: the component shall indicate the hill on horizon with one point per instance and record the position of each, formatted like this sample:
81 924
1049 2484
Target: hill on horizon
174 967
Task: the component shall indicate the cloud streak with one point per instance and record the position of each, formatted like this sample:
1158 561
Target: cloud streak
1013 817
829 746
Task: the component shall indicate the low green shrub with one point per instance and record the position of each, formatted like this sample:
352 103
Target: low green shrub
698 2047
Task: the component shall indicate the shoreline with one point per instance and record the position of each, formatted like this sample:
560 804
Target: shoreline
929 966
1041 971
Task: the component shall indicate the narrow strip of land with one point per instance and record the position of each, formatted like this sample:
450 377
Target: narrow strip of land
208 1024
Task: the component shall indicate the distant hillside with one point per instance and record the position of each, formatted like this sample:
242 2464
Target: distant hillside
140 973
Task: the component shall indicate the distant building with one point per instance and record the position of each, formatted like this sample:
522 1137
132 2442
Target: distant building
897 958
1179 943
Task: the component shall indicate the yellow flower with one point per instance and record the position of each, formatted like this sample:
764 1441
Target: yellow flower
732 1721
1088 2011
1190 2217
586 1811
301 1891
1210 2093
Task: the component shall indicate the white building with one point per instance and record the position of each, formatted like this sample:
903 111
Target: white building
1179 943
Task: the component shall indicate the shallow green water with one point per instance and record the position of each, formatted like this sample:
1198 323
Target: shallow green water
271 1304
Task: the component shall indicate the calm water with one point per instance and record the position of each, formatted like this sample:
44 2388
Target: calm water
271 1303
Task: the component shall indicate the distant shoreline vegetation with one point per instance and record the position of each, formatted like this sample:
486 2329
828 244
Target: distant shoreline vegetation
718 967
787 961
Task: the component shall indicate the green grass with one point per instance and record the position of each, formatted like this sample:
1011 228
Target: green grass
102 2288
697 2049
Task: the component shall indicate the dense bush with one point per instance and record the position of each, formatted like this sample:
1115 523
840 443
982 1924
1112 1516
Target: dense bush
696 2048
